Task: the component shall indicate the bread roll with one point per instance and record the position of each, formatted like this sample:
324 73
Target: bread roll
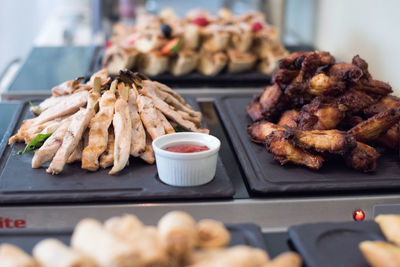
238 256
390 226
212 234
144 240
92 239
53 253
178 233
12 256
380 254
287 259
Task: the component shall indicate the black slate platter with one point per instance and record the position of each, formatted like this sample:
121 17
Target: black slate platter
19 183
223 79
241 234
333 244
266 176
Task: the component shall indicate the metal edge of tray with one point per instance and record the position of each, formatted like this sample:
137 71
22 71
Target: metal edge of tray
194 92
272 215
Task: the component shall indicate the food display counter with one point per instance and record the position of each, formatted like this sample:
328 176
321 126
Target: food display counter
305 157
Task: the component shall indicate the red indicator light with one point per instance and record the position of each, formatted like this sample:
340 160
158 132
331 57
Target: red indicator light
358 215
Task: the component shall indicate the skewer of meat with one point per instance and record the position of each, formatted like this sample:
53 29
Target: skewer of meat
75 131
138 134
98 133
122 128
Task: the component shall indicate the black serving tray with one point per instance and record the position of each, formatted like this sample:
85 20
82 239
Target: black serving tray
26 239
195 79
266 176
333 244
19 183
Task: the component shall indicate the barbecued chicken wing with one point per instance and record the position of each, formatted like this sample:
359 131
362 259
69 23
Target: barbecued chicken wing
332 141
289 118
385 103
391 138
362 158
366 83
285 152
323 113
259 131
375 126
354 101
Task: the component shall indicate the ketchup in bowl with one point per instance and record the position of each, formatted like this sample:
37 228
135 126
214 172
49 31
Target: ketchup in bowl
187 148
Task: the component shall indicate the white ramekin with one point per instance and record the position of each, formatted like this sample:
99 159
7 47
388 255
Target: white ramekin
186 169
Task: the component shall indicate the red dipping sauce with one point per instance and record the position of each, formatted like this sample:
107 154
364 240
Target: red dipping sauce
187 148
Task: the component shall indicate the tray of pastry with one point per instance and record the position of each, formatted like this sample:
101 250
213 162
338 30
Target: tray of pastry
23 174
334 143
349 243
198 49
176 240
224 79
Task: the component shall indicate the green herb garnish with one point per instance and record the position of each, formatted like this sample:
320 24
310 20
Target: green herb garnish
179 129
36 109
35 144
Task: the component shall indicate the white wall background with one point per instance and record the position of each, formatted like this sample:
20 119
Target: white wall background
369 28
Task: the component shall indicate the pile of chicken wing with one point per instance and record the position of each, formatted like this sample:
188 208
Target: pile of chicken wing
121 118
317 107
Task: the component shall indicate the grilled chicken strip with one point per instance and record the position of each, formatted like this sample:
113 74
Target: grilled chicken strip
68 87
98 130
148 114
333 141
49 148
169 112
102 74
122 130
138 134
362 158
171 100
375 126
166 124
148 154
63 108
73 135
45 128
76 155
259 131
107 158
166 89
285 152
